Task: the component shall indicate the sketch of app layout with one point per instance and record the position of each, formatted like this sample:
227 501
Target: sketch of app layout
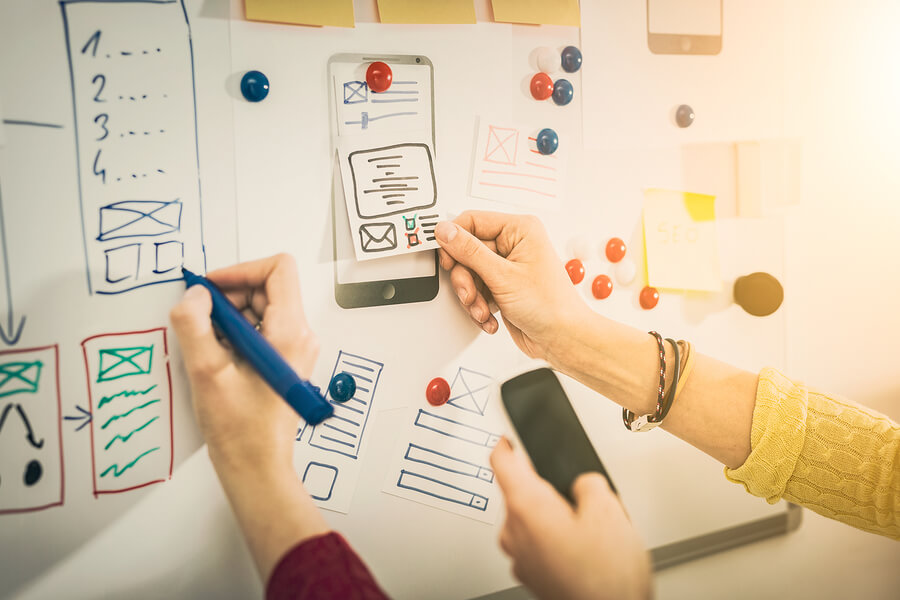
130 399
132 77
509 168
31 455
328 454
392 197
443 461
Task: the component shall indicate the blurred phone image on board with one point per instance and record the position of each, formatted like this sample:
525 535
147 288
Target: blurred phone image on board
395 279
549 431
684 26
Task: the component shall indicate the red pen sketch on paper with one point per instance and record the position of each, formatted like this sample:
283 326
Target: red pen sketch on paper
509 168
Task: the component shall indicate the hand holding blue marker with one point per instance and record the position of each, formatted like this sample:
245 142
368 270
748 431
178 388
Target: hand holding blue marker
254 348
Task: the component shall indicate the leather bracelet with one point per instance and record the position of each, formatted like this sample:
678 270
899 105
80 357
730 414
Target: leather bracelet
650 420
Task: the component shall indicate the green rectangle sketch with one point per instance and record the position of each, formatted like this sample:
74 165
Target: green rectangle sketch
20 377
116 363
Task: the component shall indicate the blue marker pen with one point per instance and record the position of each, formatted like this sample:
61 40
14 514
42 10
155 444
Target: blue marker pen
254 348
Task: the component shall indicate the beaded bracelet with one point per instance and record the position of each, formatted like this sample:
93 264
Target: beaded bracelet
651 420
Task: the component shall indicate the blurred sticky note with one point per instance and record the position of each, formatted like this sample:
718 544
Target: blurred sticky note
768 176
337 13
680 241
426 11
537 12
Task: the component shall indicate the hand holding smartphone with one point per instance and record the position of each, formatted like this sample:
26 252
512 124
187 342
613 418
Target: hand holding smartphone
548 429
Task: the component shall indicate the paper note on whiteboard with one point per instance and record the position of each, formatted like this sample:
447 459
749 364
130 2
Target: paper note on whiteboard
680 240
537 12
417 11
391 193
509 168
337 13
443 458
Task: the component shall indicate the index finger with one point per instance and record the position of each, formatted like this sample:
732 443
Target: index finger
512 471
484 225
277 275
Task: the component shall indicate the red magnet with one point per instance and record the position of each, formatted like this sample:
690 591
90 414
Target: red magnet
575 270
379 76
649 297
602 287
615 250
541 86
437 392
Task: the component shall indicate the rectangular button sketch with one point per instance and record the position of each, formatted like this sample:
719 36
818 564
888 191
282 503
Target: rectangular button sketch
393 179
32 475
343 433
132 75
443 457
130 399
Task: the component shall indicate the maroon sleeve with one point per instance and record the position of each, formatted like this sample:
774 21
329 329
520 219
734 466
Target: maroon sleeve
322 567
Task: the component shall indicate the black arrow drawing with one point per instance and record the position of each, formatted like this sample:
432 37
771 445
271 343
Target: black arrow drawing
11 332
85 414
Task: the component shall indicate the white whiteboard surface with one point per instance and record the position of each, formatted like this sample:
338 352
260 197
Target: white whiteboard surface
190 546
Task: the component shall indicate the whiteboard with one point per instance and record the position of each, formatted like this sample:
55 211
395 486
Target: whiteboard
178 538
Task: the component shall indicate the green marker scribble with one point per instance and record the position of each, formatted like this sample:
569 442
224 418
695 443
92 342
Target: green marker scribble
126 393
115 467
16 379
125 414
125 438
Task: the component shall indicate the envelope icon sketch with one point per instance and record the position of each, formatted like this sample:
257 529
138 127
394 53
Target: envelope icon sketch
502 144
116 363
355 92
20 377
139 218
377 237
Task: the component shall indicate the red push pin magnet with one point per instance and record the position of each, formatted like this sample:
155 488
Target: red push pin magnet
602 287
541 86
615 250
575 269
649 297
438 391
379 76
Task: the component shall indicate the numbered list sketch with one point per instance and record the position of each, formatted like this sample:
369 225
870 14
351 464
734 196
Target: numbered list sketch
132 75
392 197
32 475
507 167
130 403
328 454
443 461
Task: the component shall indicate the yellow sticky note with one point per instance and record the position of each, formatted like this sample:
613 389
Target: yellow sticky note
680 241
426 11
538 12
337 13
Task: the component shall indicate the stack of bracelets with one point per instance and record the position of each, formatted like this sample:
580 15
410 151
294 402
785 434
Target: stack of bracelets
684 362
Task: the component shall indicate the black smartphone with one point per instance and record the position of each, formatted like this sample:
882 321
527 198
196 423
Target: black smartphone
549 430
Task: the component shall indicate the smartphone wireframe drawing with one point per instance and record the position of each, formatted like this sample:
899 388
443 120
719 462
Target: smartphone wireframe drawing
548 429
395 279
684 26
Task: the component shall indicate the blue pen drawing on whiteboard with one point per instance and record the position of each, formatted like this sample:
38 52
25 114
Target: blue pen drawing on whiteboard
343 432
319 480
396 94
470 390
365 119
456 429
137 151
441 490
445 462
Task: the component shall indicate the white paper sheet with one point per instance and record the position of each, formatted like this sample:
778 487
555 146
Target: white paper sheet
443 459
508 167
327 455
391 193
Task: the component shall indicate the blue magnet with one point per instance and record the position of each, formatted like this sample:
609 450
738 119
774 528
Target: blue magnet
342 387
254 86
563 92
547 141
571 59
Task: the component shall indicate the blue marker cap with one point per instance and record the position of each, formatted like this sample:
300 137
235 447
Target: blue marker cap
254 86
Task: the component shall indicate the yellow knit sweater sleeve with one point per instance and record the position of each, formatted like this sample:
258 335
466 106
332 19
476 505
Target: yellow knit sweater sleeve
828 454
